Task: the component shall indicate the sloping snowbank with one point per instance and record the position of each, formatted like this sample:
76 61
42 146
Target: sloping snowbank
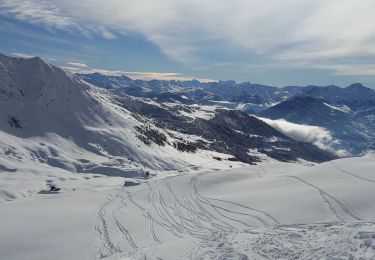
272 210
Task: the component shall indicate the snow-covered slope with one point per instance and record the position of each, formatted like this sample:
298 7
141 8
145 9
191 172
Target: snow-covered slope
269 211
52 117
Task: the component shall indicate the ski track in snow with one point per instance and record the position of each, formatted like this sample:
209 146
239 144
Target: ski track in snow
173 215
331 200
124 231
192 214
351 174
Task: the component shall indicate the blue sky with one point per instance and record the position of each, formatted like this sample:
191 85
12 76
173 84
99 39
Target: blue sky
289 42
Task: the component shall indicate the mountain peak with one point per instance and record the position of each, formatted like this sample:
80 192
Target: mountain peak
359 88
36 59
356 85
10 57
34 80
32 63
304 98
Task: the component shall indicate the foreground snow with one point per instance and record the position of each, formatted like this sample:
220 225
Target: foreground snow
273 210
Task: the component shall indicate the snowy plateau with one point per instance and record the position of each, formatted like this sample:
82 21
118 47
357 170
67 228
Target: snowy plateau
93 173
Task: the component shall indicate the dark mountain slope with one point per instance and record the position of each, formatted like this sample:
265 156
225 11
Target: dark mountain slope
307 110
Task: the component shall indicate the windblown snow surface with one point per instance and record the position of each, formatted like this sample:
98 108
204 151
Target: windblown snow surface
269 211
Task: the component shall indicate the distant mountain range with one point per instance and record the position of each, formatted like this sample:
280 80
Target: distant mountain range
49 116
355 96
348 113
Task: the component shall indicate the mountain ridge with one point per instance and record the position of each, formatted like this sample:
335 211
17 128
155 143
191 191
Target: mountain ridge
337 108
244 92
58 119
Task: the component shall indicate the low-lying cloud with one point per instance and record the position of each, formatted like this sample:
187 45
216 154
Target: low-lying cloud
316 135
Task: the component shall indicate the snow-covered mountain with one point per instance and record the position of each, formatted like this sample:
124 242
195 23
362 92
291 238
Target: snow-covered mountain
53 117
355 96
187 92
345 112
163 91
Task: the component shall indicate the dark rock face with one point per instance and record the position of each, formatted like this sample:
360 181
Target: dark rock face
185 147
14 122
148 135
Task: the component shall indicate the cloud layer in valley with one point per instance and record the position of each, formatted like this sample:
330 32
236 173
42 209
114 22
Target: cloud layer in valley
319 136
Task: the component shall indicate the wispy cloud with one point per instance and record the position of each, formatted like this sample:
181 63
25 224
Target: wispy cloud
38 12
351 69
72 69
77 64
310 32
163 76
145 75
